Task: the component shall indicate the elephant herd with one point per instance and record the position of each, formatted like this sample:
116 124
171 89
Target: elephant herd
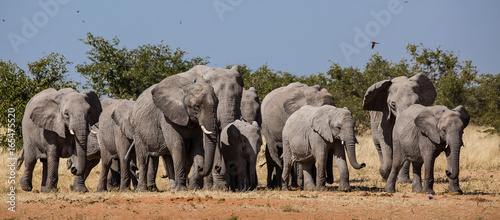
208 131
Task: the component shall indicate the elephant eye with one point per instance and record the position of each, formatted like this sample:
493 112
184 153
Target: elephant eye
443 129
196 106
66 114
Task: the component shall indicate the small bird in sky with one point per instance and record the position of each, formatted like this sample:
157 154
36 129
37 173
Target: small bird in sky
3 20
83 21
77 11
373 44
180 22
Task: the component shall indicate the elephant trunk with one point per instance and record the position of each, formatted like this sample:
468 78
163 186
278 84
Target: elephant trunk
454 160
210 132
81 132
351 154
228 111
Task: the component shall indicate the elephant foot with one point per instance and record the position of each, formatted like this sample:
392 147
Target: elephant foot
221 187
80 189
345 188
428 191
153 188
456 191
180 188
48 190
416 189
320 188
27 187
390 189
403 180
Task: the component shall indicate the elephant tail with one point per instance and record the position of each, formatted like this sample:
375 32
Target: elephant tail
129 151
20 160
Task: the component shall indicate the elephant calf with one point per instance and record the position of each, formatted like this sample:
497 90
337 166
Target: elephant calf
420 135
240 145
316 135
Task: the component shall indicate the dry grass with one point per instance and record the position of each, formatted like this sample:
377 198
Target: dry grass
479 164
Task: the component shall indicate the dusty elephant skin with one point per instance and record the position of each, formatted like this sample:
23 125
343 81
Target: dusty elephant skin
311 136
276 107
115 137
386 100
176 117
420 135
56 124
250 106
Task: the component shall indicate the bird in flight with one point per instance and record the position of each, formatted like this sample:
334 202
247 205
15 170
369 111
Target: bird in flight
373 44
77 11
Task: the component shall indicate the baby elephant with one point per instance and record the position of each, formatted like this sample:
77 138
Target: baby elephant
318 135
240 145
420 134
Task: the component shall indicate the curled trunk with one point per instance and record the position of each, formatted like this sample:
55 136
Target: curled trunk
351 154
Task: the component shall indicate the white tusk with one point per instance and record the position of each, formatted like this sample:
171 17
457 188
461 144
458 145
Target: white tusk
92 131
71 132
343 142
205 130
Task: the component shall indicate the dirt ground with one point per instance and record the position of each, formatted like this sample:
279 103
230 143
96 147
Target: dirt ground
361 203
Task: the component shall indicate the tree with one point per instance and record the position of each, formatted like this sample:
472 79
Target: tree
17 88
122 73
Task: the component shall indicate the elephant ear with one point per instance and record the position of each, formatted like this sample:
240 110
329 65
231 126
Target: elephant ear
234 135
47 114
320 123
294 102
426 123
427 91
376 96
121 116
464 115
95 106
168 96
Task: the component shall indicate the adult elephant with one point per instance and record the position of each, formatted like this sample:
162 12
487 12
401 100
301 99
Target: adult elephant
228 87
386 100
56 124
115 139
311 136
420 135
276 107
250 106
176 117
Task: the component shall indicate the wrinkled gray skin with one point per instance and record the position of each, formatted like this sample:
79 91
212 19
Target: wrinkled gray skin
312 135
240 144
386 100
276 107
420 135
250 106
115 137
228 87
49 120
168 120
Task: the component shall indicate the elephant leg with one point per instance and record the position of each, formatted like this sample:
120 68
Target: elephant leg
26 181
52 170
275 152
404 173
428 173
105 167
287 166
79 181
390 186
270 169
179 169
329 168
45 170
218 178
252 174
386 165
308 176
300 176
114 174
125 174
152 171
294 175
417 177
169 168
340 161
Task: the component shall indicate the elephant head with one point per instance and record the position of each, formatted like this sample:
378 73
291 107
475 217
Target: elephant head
337 124
250 106
70 114
227 85
188 104
308 95
394 96
444 126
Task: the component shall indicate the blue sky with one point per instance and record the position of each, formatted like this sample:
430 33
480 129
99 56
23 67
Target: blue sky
299 37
